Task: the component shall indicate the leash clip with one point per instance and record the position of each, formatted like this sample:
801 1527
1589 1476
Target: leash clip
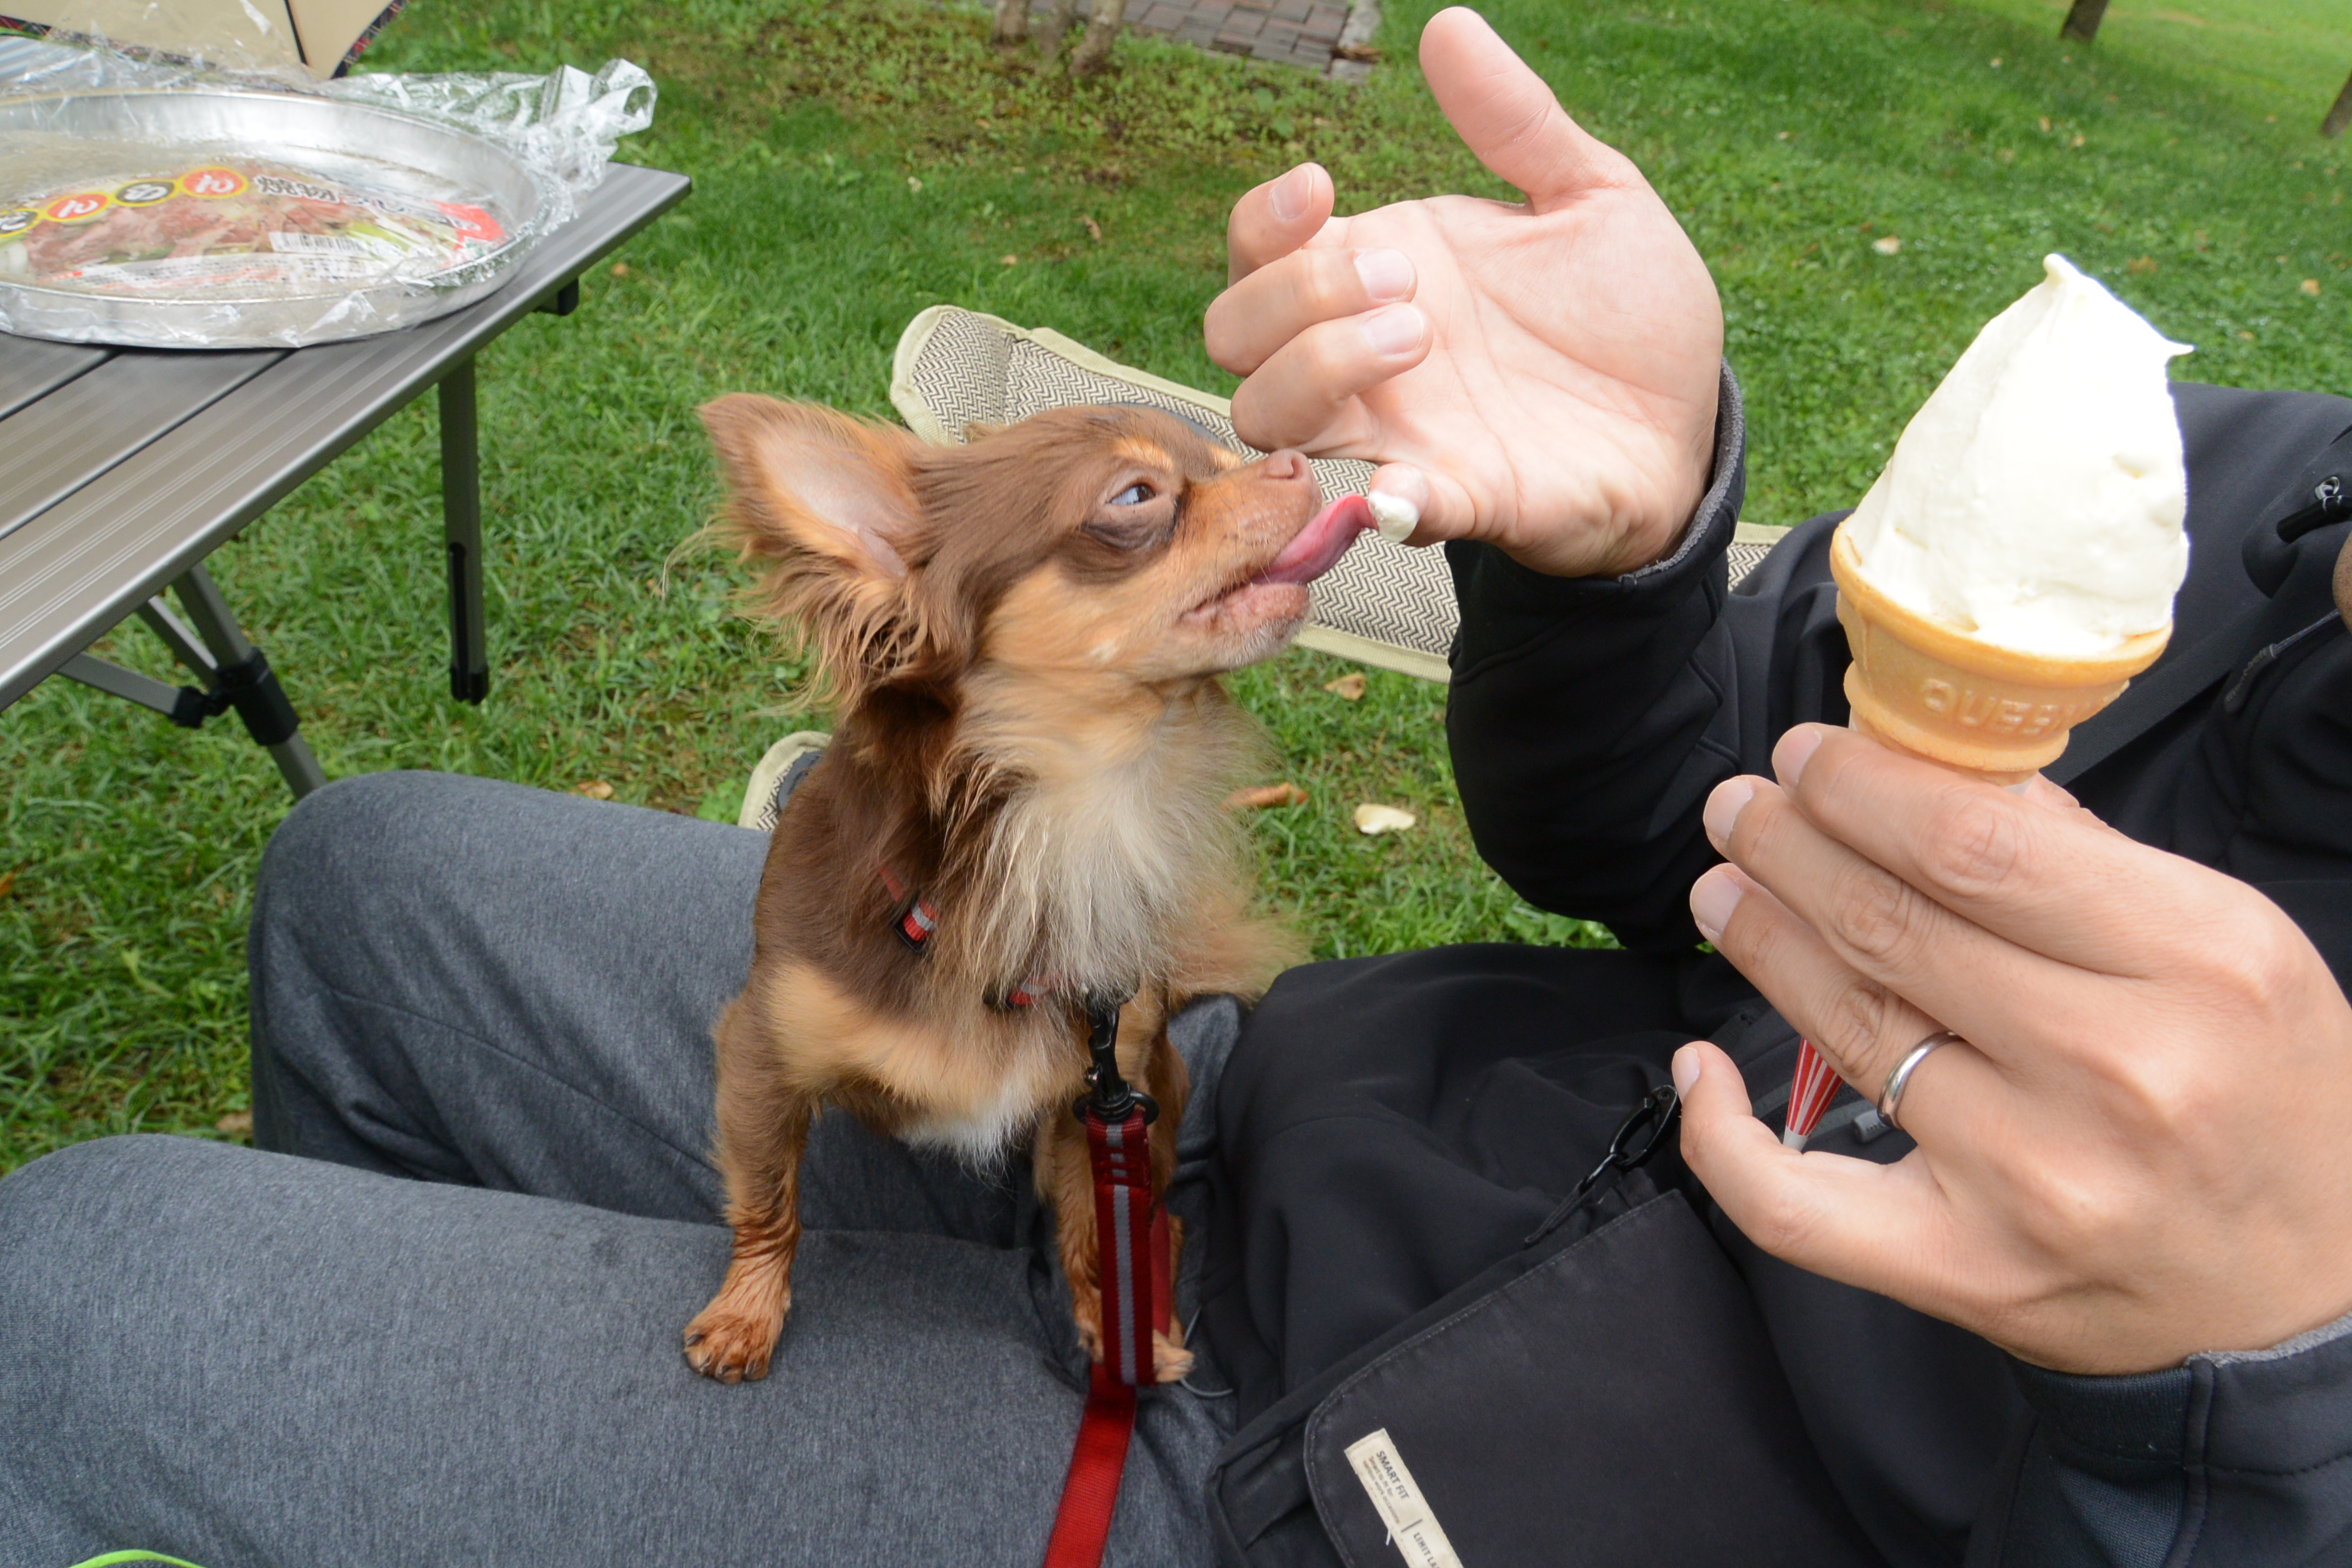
1109 1095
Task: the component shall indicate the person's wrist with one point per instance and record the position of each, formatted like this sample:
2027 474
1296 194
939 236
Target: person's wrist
1648 545
1616 551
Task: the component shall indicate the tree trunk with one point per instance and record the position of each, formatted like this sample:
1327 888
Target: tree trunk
1012 22
2082 23
1056 27
1094 49
2341 115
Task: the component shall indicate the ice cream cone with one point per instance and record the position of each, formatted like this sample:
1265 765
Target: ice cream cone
1924 687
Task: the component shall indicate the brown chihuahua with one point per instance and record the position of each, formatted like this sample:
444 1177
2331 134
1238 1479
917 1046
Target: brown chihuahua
1022 806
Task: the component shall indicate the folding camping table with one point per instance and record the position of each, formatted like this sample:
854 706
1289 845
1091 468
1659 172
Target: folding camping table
121 469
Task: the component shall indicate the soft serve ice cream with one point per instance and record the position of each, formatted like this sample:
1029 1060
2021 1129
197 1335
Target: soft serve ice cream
2034 502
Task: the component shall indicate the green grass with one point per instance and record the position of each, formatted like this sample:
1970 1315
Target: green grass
856 162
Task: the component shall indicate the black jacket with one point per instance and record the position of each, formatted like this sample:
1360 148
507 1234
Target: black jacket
1396 1134
1588 721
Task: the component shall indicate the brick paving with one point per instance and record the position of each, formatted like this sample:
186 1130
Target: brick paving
1292 32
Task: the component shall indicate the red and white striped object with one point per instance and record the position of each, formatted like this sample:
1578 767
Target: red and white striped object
1815 1086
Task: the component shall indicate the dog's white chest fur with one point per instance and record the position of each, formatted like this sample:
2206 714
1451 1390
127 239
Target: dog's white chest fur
982 1134
1095 871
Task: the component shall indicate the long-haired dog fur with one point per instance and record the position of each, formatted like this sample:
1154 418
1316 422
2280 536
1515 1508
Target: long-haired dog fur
1023 637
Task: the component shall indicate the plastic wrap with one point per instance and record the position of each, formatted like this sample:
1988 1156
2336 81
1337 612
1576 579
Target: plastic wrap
166 206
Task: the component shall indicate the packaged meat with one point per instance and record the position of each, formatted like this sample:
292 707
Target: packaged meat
233 225
165 206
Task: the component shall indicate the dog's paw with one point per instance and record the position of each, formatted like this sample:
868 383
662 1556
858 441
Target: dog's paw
732 1346
1169 1360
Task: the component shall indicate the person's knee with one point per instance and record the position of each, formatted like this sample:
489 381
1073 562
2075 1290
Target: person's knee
330 848
63 1215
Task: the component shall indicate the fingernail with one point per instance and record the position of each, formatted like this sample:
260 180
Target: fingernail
1386 274
1712 899
1393 331
1687 1066
1723 809
1288 197
1795 750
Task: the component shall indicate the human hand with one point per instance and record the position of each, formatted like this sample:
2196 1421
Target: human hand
2141 1147
1542 377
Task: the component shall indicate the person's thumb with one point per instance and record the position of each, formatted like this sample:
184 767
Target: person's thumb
1740 1161
1504 113
1849 1219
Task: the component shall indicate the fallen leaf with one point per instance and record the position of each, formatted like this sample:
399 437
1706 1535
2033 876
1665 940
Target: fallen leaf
8 883
913 183
620 269
594 789
1349 686
1887 245
2311 285
1094 229
1009 261
1373 818
2141 266
237 1122
2246 336
2044 123
1283 794
1782 135
2077 141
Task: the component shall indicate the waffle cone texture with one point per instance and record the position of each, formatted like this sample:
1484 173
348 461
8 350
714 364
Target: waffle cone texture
1924 687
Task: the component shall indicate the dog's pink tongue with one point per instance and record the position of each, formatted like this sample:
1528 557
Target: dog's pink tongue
1321 543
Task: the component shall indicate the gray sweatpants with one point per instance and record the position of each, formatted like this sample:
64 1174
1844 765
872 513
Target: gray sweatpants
440 1325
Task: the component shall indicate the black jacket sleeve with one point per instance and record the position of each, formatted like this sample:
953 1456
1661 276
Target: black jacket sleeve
2228 1459
1589 717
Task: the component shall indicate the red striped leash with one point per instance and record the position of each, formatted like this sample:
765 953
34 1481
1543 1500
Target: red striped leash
1131 1232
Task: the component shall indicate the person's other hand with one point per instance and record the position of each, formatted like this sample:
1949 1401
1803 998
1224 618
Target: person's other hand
1542 377
2141 1149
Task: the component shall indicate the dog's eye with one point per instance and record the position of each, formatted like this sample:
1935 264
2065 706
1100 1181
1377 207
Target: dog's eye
1134 495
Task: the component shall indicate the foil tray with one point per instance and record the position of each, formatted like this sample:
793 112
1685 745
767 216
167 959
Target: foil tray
52 142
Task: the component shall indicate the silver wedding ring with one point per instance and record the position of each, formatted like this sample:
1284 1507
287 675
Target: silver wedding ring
1891 1098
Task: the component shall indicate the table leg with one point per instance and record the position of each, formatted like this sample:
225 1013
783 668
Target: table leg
461 522
244 677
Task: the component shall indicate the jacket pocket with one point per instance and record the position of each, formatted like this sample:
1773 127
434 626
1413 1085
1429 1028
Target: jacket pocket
1610 1401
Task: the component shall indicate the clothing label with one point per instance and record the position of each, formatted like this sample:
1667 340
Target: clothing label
1413 1529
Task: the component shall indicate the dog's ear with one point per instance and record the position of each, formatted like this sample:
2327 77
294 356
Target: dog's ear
825 503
